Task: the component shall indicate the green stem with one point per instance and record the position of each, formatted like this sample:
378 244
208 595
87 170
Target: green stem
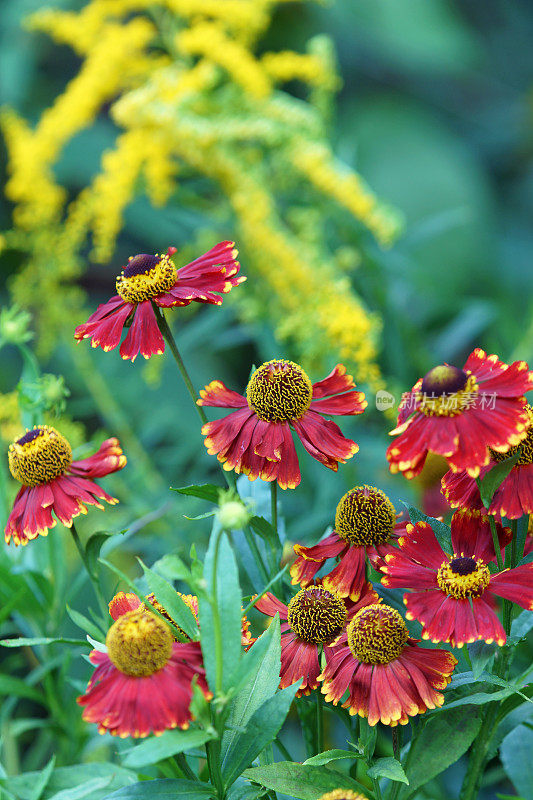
182 763
496 542
283 750
213 767
94 580
476 762
377 789
252 544
397 743
274 506
319 725
216 618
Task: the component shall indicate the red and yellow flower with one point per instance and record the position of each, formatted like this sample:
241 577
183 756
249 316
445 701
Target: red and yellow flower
387 676
313 620
52 482
514 496
365 520
256 439
149 279
142 684
462 414
454 595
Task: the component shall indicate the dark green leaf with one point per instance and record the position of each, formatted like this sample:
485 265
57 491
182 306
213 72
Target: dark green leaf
264 529
515 753
440 529
521 626
302 781
388 768
494 477
43 780
40 640
87 789
261 685
164 790
65 778
168 744
9 685
84 623
443 740
93 547
243 791
228 603
205 491
480 654
171 601
332 755
260 730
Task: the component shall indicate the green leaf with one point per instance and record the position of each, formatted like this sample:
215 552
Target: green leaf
85 624
332 755
264 529
515 753
168 744
494 477
93 547
480 698
302 781
228 602
388 768
521 626
164 790
171 601
480 654
205 491
43 780
251 660
243 791
86 789
21 642
260 730
261 685
66 778
440 529
443 740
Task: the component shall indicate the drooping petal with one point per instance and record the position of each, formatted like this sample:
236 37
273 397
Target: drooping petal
109 458
311 559
324 440
515 584
269 604
472 537
205 278
104 326
461 490
335 383
348 578
144 336
299 661
217 394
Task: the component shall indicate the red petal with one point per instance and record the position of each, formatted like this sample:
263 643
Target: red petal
108 459
217 394
144 335
348 578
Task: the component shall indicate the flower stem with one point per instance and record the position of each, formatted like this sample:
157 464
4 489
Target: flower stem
93 578
397 743
169 338
319 725
496 542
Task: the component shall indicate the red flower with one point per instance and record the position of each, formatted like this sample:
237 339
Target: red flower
462 415
314 618
365 520
256 439
155 279
42 461
387 676
143 683
514 496
454 594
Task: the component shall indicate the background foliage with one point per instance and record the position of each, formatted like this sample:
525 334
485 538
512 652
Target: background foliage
434 113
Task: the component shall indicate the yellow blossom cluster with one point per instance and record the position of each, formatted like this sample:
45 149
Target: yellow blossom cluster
192 97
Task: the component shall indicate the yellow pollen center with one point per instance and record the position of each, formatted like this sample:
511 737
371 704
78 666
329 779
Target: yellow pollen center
279 391
377 634
316 615
463 577
139 643
526 446
146 277
446 391
365 516
39 456
342 794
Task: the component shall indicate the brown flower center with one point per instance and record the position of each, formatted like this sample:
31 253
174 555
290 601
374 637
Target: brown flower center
526 446
146 277
279 391
139 643
365 516
39 456
463 577
446 391
316 615
377 634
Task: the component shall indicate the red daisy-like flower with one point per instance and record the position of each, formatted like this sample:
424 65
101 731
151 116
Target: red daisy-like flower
462 414
52 482
155 279
387 676
142 684
454 595
365 520
314 619
514 496
256 438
